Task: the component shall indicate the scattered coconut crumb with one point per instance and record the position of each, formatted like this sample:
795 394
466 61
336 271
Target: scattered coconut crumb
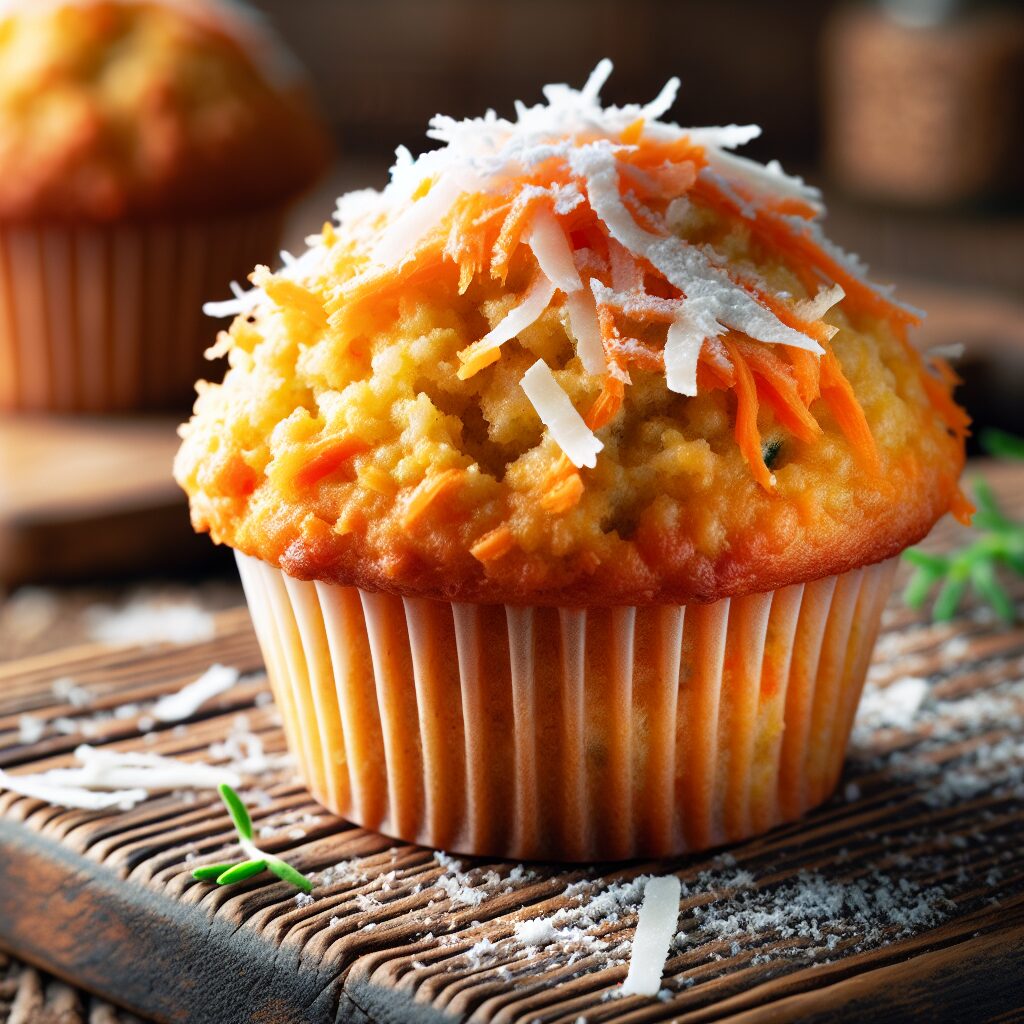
149 621
892 707
243 750
177 707
66 689
110 778
30 729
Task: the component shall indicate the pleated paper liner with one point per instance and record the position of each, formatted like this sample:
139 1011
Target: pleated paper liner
109 319
568 734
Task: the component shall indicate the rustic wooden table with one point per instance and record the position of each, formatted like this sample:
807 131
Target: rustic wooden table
902 898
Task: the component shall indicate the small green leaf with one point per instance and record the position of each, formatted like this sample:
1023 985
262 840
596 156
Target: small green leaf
999 442
917 589
240 872
950 595
239 815
989 515
287 873
937 564
983 576
210 873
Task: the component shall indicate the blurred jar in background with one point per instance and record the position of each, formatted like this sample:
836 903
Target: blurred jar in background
924 100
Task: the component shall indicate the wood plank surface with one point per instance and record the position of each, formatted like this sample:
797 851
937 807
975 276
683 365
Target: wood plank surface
902 898
91 498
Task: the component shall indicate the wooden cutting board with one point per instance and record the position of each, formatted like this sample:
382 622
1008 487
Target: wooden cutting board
87 498
902 898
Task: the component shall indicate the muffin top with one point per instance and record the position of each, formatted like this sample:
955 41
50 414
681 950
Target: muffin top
120 108
585 357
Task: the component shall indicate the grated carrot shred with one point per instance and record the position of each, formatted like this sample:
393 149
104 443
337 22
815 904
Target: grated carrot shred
961 507
776 383
474 358
607 404
838 393
940 392
427 491
560 469
748 437
512 230
632 132
330 455
493 545
807 373
563 496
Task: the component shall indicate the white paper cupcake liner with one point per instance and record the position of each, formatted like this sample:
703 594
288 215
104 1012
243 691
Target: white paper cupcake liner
109 319
568 734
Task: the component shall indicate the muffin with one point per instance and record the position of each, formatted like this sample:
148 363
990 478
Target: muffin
141 170
566 477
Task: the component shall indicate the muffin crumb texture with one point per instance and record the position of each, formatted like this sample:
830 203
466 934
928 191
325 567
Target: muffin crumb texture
734 408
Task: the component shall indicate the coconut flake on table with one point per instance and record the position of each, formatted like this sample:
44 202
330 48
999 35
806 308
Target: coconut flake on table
891 707
102 768
558 414
244 751
30 729
114 779
176 707
66 689
39 787
150 621
655 930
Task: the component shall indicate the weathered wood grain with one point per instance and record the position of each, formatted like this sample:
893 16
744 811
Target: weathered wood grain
107 901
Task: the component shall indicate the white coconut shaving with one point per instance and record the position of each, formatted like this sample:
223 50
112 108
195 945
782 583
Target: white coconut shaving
558 414
108 779
179 706
537 298
655 930
150 621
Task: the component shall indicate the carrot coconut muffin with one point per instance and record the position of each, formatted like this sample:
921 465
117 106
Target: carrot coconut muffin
566 476
148 150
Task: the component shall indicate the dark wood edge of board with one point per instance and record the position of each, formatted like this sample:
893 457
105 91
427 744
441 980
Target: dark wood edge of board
74 919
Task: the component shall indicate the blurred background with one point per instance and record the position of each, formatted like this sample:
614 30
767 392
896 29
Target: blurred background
908 113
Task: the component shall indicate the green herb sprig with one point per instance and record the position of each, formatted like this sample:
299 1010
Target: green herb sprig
257 860
999 544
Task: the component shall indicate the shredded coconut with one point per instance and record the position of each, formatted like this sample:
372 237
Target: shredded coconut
114 779
655 931
557 413
177 707
149 622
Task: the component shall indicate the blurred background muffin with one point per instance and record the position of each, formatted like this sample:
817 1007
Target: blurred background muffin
148 153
